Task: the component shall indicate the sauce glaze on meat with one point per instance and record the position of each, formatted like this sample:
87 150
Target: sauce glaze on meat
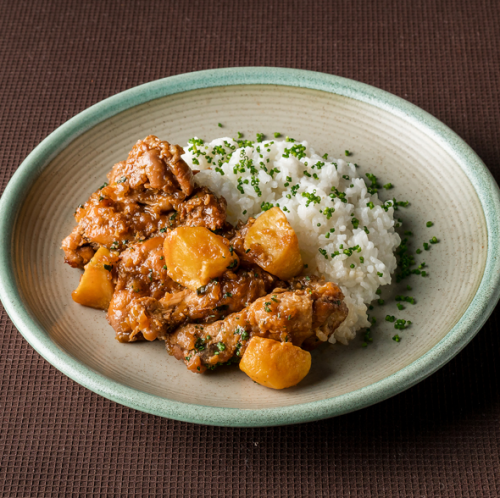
151 192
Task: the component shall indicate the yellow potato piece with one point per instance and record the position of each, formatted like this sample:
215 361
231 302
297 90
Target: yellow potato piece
195 255
273 244
96 287
275 364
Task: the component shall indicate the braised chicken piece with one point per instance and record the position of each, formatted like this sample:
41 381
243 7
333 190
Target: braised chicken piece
140 273
135 317
326 318
149 192
204 209
112 219
306 317
155 164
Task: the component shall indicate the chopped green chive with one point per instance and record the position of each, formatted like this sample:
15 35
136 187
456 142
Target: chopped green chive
328 212
199 344
323 253
401 324
233 264
367 338
429 224
311 197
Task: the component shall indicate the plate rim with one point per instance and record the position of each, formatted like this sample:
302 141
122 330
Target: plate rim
478 311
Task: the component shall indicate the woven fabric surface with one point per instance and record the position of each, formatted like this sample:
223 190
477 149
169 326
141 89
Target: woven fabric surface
440 438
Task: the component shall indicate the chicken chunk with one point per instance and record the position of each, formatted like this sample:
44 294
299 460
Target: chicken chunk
203 209
155 164
139 273
294 316
77 250
329 308
155 317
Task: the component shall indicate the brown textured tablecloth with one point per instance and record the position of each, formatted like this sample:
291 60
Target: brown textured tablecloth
440 438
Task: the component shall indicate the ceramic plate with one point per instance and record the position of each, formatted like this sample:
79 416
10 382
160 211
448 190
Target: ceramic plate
430 166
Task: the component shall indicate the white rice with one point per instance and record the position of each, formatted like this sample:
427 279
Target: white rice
375 235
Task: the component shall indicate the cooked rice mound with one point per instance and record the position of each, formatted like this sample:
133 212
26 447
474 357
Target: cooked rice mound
345 232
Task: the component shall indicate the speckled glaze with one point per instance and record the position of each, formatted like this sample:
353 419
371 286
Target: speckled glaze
430 165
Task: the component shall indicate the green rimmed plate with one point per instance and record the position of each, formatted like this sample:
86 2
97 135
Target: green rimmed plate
430 165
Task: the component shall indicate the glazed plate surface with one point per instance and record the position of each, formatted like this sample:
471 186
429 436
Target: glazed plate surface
430 166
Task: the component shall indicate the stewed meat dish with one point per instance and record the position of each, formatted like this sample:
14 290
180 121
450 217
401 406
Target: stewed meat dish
160 257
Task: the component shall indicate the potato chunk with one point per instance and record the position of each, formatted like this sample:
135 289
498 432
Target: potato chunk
96 286
275 364
273 244
195 255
